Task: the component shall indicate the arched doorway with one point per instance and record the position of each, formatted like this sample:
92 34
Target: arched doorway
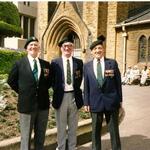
60 28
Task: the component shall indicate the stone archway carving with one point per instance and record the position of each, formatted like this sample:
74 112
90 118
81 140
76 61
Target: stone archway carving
61 27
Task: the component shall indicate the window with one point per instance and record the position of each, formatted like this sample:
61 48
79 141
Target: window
142 49
27 24
25 27
32 21
26 3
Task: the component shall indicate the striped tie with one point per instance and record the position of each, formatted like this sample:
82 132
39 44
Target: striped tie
35 70
68 72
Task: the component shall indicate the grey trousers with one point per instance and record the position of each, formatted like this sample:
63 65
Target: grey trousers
67 116
113 127
38 121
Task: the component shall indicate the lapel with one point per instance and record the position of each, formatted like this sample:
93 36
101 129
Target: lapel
74 66
91 69
60 63
107 66
28 68
42 71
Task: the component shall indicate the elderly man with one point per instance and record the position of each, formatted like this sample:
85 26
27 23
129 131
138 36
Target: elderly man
102 94
30 77
67 98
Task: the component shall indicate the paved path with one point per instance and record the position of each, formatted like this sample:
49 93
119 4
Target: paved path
135 128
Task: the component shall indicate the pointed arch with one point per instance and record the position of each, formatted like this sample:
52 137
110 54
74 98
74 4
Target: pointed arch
62 27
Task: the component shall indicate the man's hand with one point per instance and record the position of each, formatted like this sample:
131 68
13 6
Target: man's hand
87 108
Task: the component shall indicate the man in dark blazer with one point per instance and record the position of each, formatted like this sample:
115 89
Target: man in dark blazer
102 94
67 97
30 77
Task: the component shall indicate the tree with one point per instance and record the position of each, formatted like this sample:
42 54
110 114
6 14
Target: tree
9 20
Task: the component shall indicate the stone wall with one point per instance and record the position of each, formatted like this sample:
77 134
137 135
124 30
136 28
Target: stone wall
111 33
102 18
65 20
133 35
96 18
42 19
90 17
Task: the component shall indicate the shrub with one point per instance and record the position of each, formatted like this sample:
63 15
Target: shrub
9 20
10 30
8 58
9 13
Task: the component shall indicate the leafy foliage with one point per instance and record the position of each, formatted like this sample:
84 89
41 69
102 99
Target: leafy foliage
9 20
9 30
9 13
8 58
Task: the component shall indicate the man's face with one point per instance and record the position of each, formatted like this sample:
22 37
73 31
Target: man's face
33 49
98 51
67 49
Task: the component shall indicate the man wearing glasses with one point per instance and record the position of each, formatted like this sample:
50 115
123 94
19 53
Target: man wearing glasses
67 97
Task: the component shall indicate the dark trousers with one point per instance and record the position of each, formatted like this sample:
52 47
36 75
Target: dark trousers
36 120
113 127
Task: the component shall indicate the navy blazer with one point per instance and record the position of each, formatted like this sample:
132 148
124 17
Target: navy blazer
58 81
21 79
107 97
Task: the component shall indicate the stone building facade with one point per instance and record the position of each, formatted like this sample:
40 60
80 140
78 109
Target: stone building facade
126 26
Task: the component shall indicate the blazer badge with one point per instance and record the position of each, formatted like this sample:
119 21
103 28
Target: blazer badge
109 73
77 74
46 72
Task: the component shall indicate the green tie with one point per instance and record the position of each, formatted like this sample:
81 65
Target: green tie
35 70
68 72
99 73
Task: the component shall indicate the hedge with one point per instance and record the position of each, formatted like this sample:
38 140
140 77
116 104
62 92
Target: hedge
10 30
8 58
9 13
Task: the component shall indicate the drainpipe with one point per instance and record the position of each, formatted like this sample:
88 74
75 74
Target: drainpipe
124 35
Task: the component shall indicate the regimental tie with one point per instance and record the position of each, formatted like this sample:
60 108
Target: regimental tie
99 73
35 70
68 72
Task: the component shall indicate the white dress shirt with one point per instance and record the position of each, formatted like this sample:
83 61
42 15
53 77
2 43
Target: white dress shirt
102 65
67 86
31 61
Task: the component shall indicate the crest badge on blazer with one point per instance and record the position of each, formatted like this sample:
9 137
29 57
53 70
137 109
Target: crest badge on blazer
46 72
77 74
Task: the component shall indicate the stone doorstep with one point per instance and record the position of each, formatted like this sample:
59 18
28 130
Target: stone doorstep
83 135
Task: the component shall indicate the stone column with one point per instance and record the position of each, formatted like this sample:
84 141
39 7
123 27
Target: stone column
111 33
42 18
90 17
